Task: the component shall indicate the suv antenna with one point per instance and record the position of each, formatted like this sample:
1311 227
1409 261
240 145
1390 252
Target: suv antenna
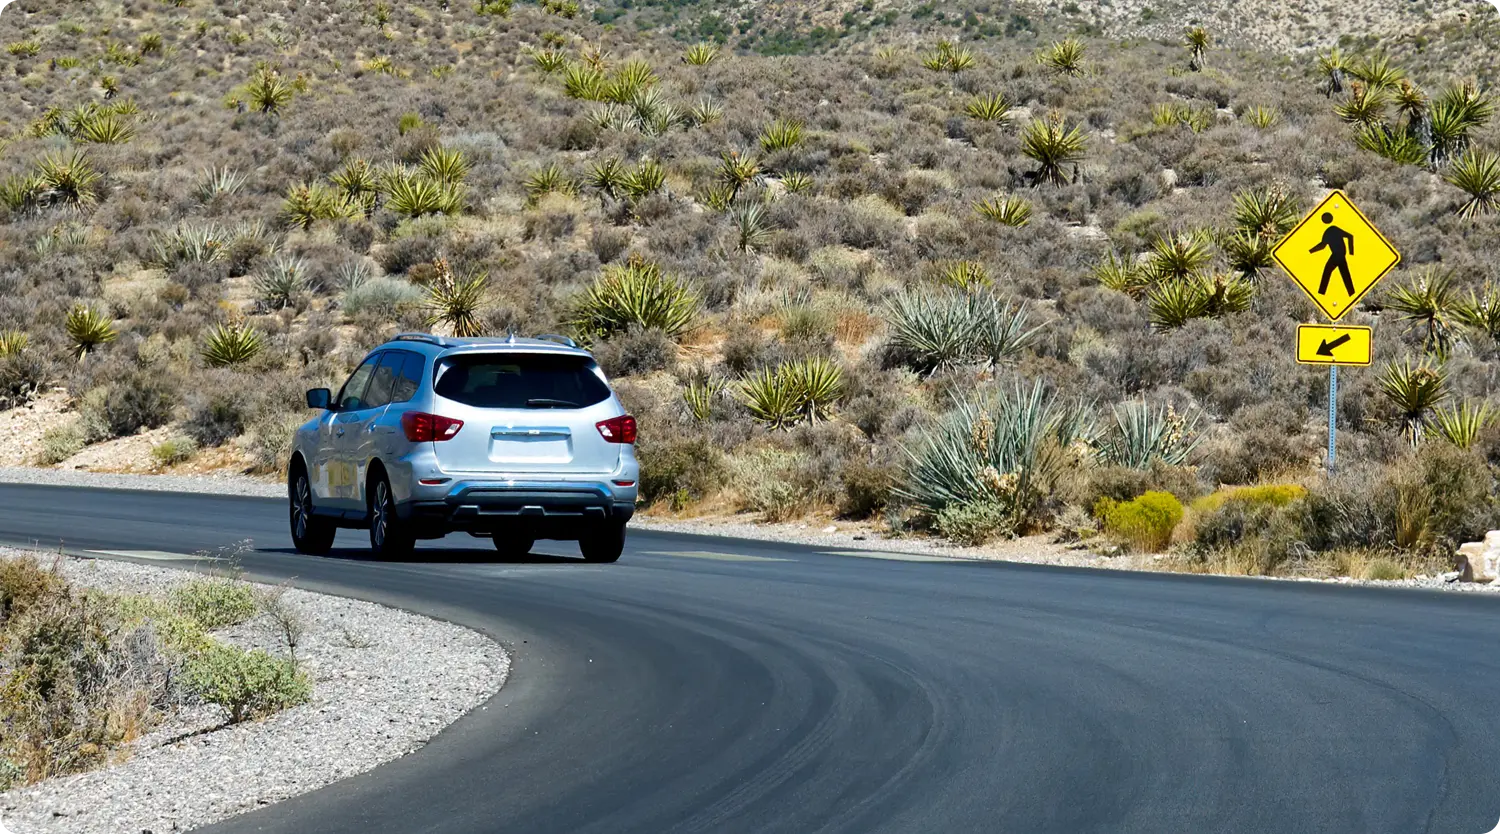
511 339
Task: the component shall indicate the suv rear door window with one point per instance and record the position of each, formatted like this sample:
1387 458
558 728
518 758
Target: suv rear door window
410 377
351 396
520 380
383 381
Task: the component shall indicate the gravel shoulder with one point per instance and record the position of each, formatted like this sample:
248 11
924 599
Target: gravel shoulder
1035 550
384 682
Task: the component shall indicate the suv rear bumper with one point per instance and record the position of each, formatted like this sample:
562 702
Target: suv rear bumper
550 510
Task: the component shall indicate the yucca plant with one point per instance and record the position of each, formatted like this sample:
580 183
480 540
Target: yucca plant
1263 117
150 43
227 345
1267 212
737 171
771 399
105 129
416 196
700 54
1144 435
1198 41
631 79
1462 424
548 60
1429 302
948 57
1332 66
635 294
493 8
819 385
69 180
455 302
88 329
562 8
781 135
283 282
1414 390
584 82
1365 106
967 276
1225 294
653 113
608 176
357 180
215 183
1122 274
549 180
988 107
1481 313
1001 330
1246 253
1377 72
409 122
1458 112
706 111
946 329
1396 145
1174 302
701 396
797 182
1052 144
21 193
1477 174
1065 57
307 203
444 165
1180 255
1009 210
1009 452
1197 119
753 227
267 92
648 178
13 342
109 86
189 243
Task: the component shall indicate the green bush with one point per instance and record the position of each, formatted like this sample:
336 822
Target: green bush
680 471
214 603
246 684
1145 523
174 451
974 523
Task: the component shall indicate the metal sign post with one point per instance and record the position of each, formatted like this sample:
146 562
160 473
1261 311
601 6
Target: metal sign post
1333 416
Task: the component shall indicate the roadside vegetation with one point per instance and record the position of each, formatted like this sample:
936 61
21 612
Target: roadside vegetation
86 673
962 271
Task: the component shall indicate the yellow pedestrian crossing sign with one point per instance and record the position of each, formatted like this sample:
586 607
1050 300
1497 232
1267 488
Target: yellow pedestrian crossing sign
1331 344
1335 255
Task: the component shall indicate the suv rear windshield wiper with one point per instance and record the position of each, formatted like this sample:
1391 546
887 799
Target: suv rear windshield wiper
543 402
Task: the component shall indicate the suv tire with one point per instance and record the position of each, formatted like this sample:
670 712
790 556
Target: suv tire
310 533
389 538
603 544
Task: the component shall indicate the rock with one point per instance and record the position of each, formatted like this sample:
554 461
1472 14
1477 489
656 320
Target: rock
1480 561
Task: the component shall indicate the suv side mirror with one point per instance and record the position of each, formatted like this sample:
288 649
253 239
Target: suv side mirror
319 398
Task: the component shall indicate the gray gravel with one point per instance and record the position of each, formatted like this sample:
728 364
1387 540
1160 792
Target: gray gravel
384 682
219 484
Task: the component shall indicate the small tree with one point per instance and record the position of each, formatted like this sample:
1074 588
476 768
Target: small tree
1198 41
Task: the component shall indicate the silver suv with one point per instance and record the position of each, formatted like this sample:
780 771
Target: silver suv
511 439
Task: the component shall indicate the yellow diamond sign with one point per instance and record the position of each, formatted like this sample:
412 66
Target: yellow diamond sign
1335 255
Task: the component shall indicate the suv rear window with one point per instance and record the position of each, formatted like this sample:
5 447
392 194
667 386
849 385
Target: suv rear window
519 380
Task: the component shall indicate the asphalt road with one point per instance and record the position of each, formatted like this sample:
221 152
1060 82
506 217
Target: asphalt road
716 685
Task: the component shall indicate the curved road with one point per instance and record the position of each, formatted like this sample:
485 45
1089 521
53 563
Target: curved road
716 685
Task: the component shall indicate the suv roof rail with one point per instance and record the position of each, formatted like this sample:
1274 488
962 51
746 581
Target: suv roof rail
421 337
553 337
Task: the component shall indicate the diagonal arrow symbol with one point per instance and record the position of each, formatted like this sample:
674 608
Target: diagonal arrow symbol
1326 349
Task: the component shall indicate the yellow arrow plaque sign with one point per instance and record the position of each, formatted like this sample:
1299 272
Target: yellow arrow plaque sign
1324 344
1336 255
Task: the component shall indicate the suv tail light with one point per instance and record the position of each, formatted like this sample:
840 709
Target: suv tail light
423 428
618 429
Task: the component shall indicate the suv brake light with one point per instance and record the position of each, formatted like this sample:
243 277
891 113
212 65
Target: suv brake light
618 429
423 428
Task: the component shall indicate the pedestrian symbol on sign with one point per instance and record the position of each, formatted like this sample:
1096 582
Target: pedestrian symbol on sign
1340 245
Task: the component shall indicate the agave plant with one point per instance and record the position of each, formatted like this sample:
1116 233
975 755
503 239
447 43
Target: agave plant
1122 274
1477 174
1052 144
1008 210
267 92
1144 435
13 342
232 344
988 107
1430 302
444 165
948 57
68 179
1414 390
700 54
635 294
1462 424
1179 256
215 183
781 135
706 111
283 282
1198 42
967 276
1263 117
797 182
1065 57
455 302
753 227
88 329
549 180
1010 451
